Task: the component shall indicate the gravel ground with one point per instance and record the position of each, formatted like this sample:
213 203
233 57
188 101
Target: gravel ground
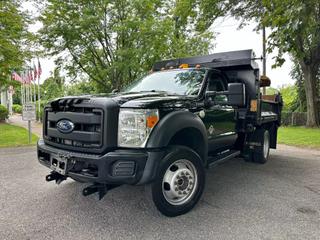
279 200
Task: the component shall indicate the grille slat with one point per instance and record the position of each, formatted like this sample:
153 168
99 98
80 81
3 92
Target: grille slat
76 135
75 117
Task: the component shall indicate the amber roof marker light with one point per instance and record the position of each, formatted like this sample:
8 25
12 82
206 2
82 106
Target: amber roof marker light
184 65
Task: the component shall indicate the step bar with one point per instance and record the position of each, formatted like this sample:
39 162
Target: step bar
222 157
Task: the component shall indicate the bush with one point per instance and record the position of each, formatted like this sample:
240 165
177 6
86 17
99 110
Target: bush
17 108
4 113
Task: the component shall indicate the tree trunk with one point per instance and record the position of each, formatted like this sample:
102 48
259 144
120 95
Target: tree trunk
310 86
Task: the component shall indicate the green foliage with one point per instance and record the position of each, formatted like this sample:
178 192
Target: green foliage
114 42
16 97
3 113
272 91
297 74
80 88
17 108
53 87
289 95
14 136
14 38
295 29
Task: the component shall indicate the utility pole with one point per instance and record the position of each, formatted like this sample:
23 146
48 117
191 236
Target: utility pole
264 60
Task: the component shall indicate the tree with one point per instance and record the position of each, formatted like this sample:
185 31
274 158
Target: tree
290 95
297 74
80 88
14 38
53 87
114 42
295 29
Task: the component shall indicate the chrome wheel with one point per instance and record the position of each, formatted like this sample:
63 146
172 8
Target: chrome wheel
180 181
266 145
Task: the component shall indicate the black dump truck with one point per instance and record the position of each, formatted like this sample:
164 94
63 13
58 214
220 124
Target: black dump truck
164 130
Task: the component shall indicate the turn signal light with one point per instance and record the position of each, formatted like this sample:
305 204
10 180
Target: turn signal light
152 121
253 105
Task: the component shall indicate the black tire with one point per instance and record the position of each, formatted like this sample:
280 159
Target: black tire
160 190
261 153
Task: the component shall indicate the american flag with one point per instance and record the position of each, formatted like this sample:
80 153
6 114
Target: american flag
26 77
39 69
35 73
16 76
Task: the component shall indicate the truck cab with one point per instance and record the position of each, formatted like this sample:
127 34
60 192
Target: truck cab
164 129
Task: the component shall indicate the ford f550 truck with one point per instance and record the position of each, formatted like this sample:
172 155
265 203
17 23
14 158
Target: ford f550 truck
164 130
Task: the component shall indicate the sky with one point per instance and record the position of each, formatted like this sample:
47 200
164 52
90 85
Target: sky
228 38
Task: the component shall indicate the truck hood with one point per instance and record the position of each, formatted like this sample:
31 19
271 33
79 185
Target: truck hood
134 100
149 100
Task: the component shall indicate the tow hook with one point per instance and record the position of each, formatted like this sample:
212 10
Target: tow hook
102 189
55 176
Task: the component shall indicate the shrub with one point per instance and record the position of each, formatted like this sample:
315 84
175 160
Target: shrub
17 108
4 113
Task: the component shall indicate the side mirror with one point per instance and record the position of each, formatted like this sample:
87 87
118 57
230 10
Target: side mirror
236 94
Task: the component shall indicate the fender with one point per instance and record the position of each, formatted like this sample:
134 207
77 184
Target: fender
171 124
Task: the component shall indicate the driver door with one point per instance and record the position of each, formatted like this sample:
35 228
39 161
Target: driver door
219 117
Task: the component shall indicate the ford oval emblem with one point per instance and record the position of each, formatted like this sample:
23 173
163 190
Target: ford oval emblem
65 126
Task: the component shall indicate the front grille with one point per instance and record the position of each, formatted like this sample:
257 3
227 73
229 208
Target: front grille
88 127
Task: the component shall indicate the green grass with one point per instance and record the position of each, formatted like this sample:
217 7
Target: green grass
14 136
299 136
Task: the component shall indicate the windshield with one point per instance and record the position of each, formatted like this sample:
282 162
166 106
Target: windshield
178 81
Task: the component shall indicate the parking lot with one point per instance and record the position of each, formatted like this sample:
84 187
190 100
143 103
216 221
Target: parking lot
279 200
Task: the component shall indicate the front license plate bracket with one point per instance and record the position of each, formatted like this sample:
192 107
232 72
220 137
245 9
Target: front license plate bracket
59 164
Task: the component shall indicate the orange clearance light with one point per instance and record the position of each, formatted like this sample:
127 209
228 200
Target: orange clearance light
253 105
198 66
152 121
184 65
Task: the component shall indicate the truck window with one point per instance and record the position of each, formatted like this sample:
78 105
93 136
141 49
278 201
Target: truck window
177 81
216 84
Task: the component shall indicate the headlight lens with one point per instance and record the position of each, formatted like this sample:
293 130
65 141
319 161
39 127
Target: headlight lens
135 126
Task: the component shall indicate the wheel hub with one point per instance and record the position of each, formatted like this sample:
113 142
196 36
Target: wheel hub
179 182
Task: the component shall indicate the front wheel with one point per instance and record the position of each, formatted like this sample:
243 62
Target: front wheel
179 183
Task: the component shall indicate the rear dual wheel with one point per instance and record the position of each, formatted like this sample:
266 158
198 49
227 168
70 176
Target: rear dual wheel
260 153
179 182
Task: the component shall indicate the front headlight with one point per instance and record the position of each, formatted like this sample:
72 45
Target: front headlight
135 126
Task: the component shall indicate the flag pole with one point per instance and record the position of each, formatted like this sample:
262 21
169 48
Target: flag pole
39 99
34 87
